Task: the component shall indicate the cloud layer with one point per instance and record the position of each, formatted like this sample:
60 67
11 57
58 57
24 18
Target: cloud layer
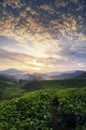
51 33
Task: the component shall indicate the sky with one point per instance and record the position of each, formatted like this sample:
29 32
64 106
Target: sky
43 35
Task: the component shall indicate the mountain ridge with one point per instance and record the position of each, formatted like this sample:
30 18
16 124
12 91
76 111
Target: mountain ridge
21 74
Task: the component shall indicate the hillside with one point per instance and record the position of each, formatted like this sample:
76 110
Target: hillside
9 87
54 84
6 78
11 72
44 105
10 90
38 110
82 75
69 75
6 81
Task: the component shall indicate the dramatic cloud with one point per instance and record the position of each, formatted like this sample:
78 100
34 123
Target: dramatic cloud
52 32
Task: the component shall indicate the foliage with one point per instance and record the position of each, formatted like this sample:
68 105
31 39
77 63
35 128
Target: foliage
6 78
73 105
12 92
52 105
54 84
30 112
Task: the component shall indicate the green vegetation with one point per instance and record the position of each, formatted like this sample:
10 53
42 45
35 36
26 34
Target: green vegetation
32 112
45 105
11 92
72 108
9 87
4 84
6 78
54 84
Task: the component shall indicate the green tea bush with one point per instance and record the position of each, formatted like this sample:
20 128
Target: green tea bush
36 111
31 112
73 106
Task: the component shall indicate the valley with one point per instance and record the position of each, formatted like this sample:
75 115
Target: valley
42 104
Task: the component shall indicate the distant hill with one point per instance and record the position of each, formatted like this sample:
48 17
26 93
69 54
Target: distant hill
76 74
25 75
18 74
12 72
82 75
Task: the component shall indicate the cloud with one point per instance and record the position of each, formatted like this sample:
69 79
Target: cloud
30 22
12 59
48 8
53 30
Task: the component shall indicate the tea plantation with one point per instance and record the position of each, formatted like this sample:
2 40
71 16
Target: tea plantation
54 107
